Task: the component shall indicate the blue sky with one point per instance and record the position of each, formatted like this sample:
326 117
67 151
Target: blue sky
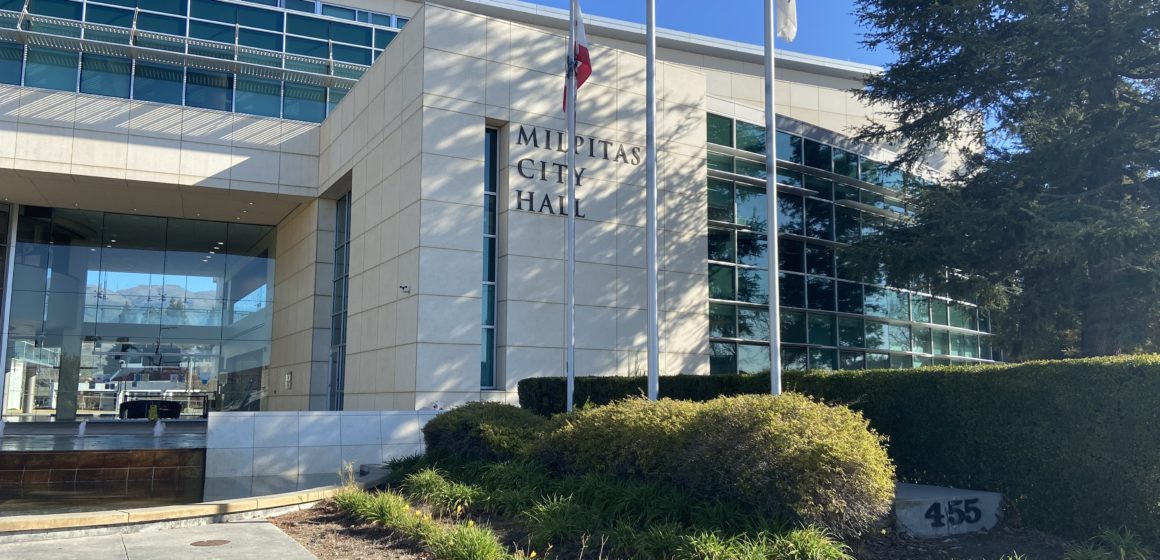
825 27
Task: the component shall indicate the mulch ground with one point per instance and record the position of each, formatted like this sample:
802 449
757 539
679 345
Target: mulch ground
330 535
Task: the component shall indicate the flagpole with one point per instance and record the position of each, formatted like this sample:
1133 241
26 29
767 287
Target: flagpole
651 201
570 280
771 201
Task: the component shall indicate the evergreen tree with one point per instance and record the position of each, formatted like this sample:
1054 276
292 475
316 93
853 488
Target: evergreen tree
1053 216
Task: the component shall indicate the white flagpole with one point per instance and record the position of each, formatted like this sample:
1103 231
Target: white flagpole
570 280
651 202
771 200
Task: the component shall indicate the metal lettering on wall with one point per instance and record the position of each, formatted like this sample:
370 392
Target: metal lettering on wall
557 173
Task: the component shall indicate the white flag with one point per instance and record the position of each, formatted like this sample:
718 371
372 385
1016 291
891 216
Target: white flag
787 19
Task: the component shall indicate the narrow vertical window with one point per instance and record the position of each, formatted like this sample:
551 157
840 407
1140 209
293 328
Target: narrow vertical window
490 204
338 306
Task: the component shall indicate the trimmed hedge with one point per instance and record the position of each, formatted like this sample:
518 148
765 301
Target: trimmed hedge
485 431
787 457
1073 444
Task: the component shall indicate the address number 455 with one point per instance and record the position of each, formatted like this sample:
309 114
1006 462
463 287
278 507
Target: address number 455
957 513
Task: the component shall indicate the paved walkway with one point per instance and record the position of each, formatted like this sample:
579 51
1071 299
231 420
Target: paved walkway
246 540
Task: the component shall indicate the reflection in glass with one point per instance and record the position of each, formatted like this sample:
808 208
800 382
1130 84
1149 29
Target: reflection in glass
793 358
753 323
752 358
751 207
722 320
722 358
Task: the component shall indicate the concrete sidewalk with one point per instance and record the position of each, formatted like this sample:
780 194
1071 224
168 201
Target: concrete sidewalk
245 540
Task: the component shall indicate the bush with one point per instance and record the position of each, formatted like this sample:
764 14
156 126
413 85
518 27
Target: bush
778 457
482 431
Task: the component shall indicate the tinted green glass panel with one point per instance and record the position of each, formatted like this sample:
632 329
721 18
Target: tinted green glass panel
11 62
816 154
175 7
307 26
51 69
721 245
260 40
845 163
353 55
720 200
223 51
487 358
749 168
383 38
821 329
751 207
791 255
400 22
963 316
791 214
899 338
901 361
353 34
720 130
821 293
12 5
334 97
381 19
819 260
942 342
984 348
851 333
792 290
938 311
209 90
850 298
752 358
753 285
876 335
922 361
259 97
824 187
847 225
793 326
104 75
984 321
721 282
852 360
750 137
300 6
161 24
752 323
921 340
109 16
819 219
722 320
307 47
269 20
846 192
213 10
789 177
877 361
158 83
871 171
64 9
794 358
823 359
489 258
752 249
722 358
211 32
338 12
789 147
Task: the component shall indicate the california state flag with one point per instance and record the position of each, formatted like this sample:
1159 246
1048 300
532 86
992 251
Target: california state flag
578 53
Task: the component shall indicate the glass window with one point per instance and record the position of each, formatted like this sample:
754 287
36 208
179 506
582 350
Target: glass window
381 19
938 311
789 177
209 90
64 9
720 200
12 5
307 26
876 335
719 162
753 285
792 255
487 358
752 249
922 341
899 338
984 348
353 55
269 20
851 333
846 192
752 358
875 360
300 5
816 155
753 323
260 40
850 298
304 103
307 47
160 83
845 163
383 38
256 96
749 168
335 96
353 34
852 360
751 207
823 359
821 329
789 147
104 75
750 137
792 290
722 358
793 326
819 260
720 130
721 282
722 320
871 171
942 342
401 21
920 308
821 293
213 10
161 24
901 361
794 358
963 316
11 62
175 7
824 187
51 69
211 32
790 216
847 224
96 13
819 219
338 12
984 321
721 246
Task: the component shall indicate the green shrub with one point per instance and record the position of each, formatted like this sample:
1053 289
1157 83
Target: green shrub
557 519
463 542
442 495
809 543
482 431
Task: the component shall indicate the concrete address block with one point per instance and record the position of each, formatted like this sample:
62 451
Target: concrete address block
932 512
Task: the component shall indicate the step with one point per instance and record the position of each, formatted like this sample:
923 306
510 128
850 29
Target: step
933 511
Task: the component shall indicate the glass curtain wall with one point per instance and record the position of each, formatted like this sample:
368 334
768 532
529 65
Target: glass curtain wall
830 319
487 366
338 302
109 308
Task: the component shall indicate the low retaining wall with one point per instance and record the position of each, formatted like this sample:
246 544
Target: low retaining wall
295 444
